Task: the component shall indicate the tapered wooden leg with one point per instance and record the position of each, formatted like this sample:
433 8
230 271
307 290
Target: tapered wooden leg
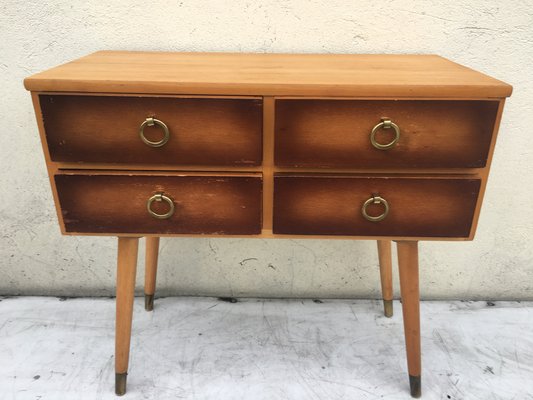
126 270
408 265
152 252
385 271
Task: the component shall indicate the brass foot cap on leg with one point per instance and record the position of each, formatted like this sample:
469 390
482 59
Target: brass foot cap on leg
120 383
149 302
416 386
387 306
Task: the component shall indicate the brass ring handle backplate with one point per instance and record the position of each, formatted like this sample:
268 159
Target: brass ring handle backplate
151 122
385 123
160 197
375 200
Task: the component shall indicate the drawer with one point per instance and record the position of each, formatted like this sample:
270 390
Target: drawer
106 129
333 205
106 203
336 133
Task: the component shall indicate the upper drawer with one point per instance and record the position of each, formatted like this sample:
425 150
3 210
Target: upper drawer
337 133
106 129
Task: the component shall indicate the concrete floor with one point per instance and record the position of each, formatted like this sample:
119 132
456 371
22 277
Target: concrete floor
205 348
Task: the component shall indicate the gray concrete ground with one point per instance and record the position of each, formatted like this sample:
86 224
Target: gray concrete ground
205 348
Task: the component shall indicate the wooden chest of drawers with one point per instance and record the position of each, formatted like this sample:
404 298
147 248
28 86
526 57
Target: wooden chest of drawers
268 145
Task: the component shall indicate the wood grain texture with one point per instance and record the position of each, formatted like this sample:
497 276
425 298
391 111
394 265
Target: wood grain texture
410 293
269 74
385 269
331 205
268 163
336 133
50 167
485 172
106 203
150 265
281 68
126 272
203 131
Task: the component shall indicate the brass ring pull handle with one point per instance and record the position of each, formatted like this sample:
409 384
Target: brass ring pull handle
385 123
376 200
160 197
151 122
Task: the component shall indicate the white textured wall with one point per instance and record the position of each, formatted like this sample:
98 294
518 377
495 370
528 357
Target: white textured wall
492 36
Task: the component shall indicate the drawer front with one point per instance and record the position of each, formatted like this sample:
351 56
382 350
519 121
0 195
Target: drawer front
333 205
336 133
201 131
118 204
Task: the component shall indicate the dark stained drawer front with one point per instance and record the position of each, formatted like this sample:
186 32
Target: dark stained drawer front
333 205
201 131
119 204
336 133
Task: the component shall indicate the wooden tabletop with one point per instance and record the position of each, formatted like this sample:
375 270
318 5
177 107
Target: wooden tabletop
354 75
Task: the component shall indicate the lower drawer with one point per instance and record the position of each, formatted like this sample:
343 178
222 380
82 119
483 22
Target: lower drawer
166 203
394 206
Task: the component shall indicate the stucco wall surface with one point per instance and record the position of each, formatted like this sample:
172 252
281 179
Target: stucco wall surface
492 36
